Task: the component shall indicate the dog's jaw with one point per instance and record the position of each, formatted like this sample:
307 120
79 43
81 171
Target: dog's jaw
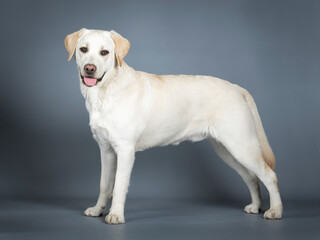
90 82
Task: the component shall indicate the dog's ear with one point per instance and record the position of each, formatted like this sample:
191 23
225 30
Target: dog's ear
121 46
71 41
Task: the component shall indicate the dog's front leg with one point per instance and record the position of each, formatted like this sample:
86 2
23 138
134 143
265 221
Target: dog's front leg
108 170
125 159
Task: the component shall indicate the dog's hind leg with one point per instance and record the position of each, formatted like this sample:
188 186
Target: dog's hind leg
236 131
248 177
251 158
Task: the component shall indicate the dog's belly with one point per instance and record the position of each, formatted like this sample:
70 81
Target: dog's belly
145 143
163 136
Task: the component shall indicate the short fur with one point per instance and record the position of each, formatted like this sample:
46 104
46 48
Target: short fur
132 110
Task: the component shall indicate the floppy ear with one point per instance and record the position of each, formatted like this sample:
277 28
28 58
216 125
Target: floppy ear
71 41
122 46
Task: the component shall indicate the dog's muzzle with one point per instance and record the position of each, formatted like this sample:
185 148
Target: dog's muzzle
89 81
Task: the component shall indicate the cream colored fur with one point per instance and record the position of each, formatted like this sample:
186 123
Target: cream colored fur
132 111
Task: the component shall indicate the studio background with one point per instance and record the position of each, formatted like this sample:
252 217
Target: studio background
271 48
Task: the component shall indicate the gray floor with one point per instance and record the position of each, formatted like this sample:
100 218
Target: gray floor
150 219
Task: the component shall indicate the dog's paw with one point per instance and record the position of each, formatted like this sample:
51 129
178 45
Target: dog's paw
252 209
114 218
93 211
273 213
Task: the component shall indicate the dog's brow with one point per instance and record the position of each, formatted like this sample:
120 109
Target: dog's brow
85 45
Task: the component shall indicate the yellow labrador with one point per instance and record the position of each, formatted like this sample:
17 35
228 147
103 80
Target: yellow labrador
131 111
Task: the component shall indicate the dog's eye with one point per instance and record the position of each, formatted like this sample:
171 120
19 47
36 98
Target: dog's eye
104 52
84 49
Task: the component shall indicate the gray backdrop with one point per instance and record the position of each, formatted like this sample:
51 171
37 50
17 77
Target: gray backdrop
269 47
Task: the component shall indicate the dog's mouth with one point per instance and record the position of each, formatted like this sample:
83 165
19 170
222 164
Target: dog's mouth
90 82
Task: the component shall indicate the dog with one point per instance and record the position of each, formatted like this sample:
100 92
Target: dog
132 111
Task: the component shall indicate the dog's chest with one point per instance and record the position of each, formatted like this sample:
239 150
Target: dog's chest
98 121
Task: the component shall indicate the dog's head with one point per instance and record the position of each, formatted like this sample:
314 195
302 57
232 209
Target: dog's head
98 53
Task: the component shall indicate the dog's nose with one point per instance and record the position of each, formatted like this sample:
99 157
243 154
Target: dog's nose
90 68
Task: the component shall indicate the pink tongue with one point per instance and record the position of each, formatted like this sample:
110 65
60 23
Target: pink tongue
90 81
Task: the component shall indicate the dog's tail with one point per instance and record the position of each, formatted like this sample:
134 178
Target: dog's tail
265 147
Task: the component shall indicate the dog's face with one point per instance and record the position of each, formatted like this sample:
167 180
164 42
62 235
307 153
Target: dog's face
97 53
94 56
